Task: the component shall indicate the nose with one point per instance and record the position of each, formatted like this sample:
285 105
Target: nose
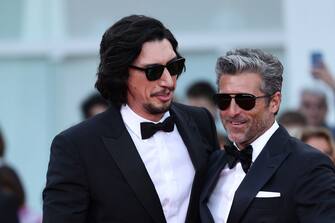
233 108
166 79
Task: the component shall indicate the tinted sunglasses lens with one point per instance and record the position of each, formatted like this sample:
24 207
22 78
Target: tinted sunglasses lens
222 101
154 73
176 67
246 102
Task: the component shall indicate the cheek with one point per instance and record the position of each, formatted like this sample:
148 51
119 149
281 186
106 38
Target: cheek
223 115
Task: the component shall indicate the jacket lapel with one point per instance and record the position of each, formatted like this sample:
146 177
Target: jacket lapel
189 132
218 161
192 138
266 164
126 156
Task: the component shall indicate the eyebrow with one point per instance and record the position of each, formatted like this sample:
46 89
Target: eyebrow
154 64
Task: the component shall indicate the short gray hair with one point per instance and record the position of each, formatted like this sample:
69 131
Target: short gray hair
255 61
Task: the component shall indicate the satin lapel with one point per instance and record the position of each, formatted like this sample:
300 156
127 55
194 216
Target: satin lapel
217 162
189 132
266 164
197 150
125 155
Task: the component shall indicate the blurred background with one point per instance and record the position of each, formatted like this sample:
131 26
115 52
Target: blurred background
49 57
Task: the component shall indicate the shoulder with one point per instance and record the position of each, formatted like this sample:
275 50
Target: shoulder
299 154
99 125
307 156
197 118
192 111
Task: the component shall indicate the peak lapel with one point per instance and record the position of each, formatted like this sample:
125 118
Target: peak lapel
197 150
266 164
126 156
189 132
218 161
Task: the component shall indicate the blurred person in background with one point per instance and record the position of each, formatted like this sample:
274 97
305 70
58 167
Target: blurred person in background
321 72
321 139
8 207
200 94
293 121
93 105
8 203
145 158
11 183
313 105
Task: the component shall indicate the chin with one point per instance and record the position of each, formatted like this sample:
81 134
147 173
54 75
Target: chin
158 109
236 137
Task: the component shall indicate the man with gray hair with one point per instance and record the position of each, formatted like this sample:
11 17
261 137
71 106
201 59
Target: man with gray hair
266 175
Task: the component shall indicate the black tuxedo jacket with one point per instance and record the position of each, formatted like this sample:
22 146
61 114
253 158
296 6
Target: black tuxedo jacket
96 175
303 176
8 208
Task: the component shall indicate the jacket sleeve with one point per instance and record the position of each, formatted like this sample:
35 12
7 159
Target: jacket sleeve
65 197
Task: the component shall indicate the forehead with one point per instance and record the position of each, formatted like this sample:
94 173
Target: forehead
246 82
318 142
157 51
313 97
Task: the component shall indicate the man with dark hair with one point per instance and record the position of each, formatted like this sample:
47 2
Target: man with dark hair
267 175
93 105
201 94
145 158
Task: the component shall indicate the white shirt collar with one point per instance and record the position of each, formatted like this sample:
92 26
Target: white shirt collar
261 141
133 120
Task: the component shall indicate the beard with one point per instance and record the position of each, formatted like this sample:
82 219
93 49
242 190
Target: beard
155 110
251 132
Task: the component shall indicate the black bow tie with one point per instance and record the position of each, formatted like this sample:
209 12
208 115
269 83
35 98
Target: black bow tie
148 129
244 156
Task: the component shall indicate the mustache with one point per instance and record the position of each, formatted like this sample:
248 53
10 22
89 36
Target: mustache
237 118
163 91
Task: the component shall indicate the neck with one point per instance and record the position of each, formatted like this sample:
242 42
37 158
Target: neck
154 117
242 145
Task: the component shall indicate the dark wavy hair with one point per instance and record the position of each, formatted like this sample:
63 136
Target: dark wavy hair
120 46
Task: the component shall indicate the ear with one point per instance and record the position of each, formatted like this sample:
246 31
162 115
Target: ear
275 102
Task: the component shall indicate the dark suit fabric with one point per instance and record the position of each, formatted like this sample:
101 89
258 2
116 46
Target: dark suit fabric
8 208
96 175
304 177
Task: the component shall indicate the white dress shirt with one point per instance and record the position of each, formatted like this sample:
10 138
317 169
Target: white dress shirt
222 196
168 163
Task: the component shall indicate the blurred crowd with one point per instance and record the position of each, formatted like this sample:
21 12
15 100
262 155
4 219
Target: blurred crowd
13 205
307 123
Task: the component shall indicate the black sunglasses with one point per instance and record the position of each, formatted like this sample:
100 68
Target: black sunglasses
155 71
244 101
